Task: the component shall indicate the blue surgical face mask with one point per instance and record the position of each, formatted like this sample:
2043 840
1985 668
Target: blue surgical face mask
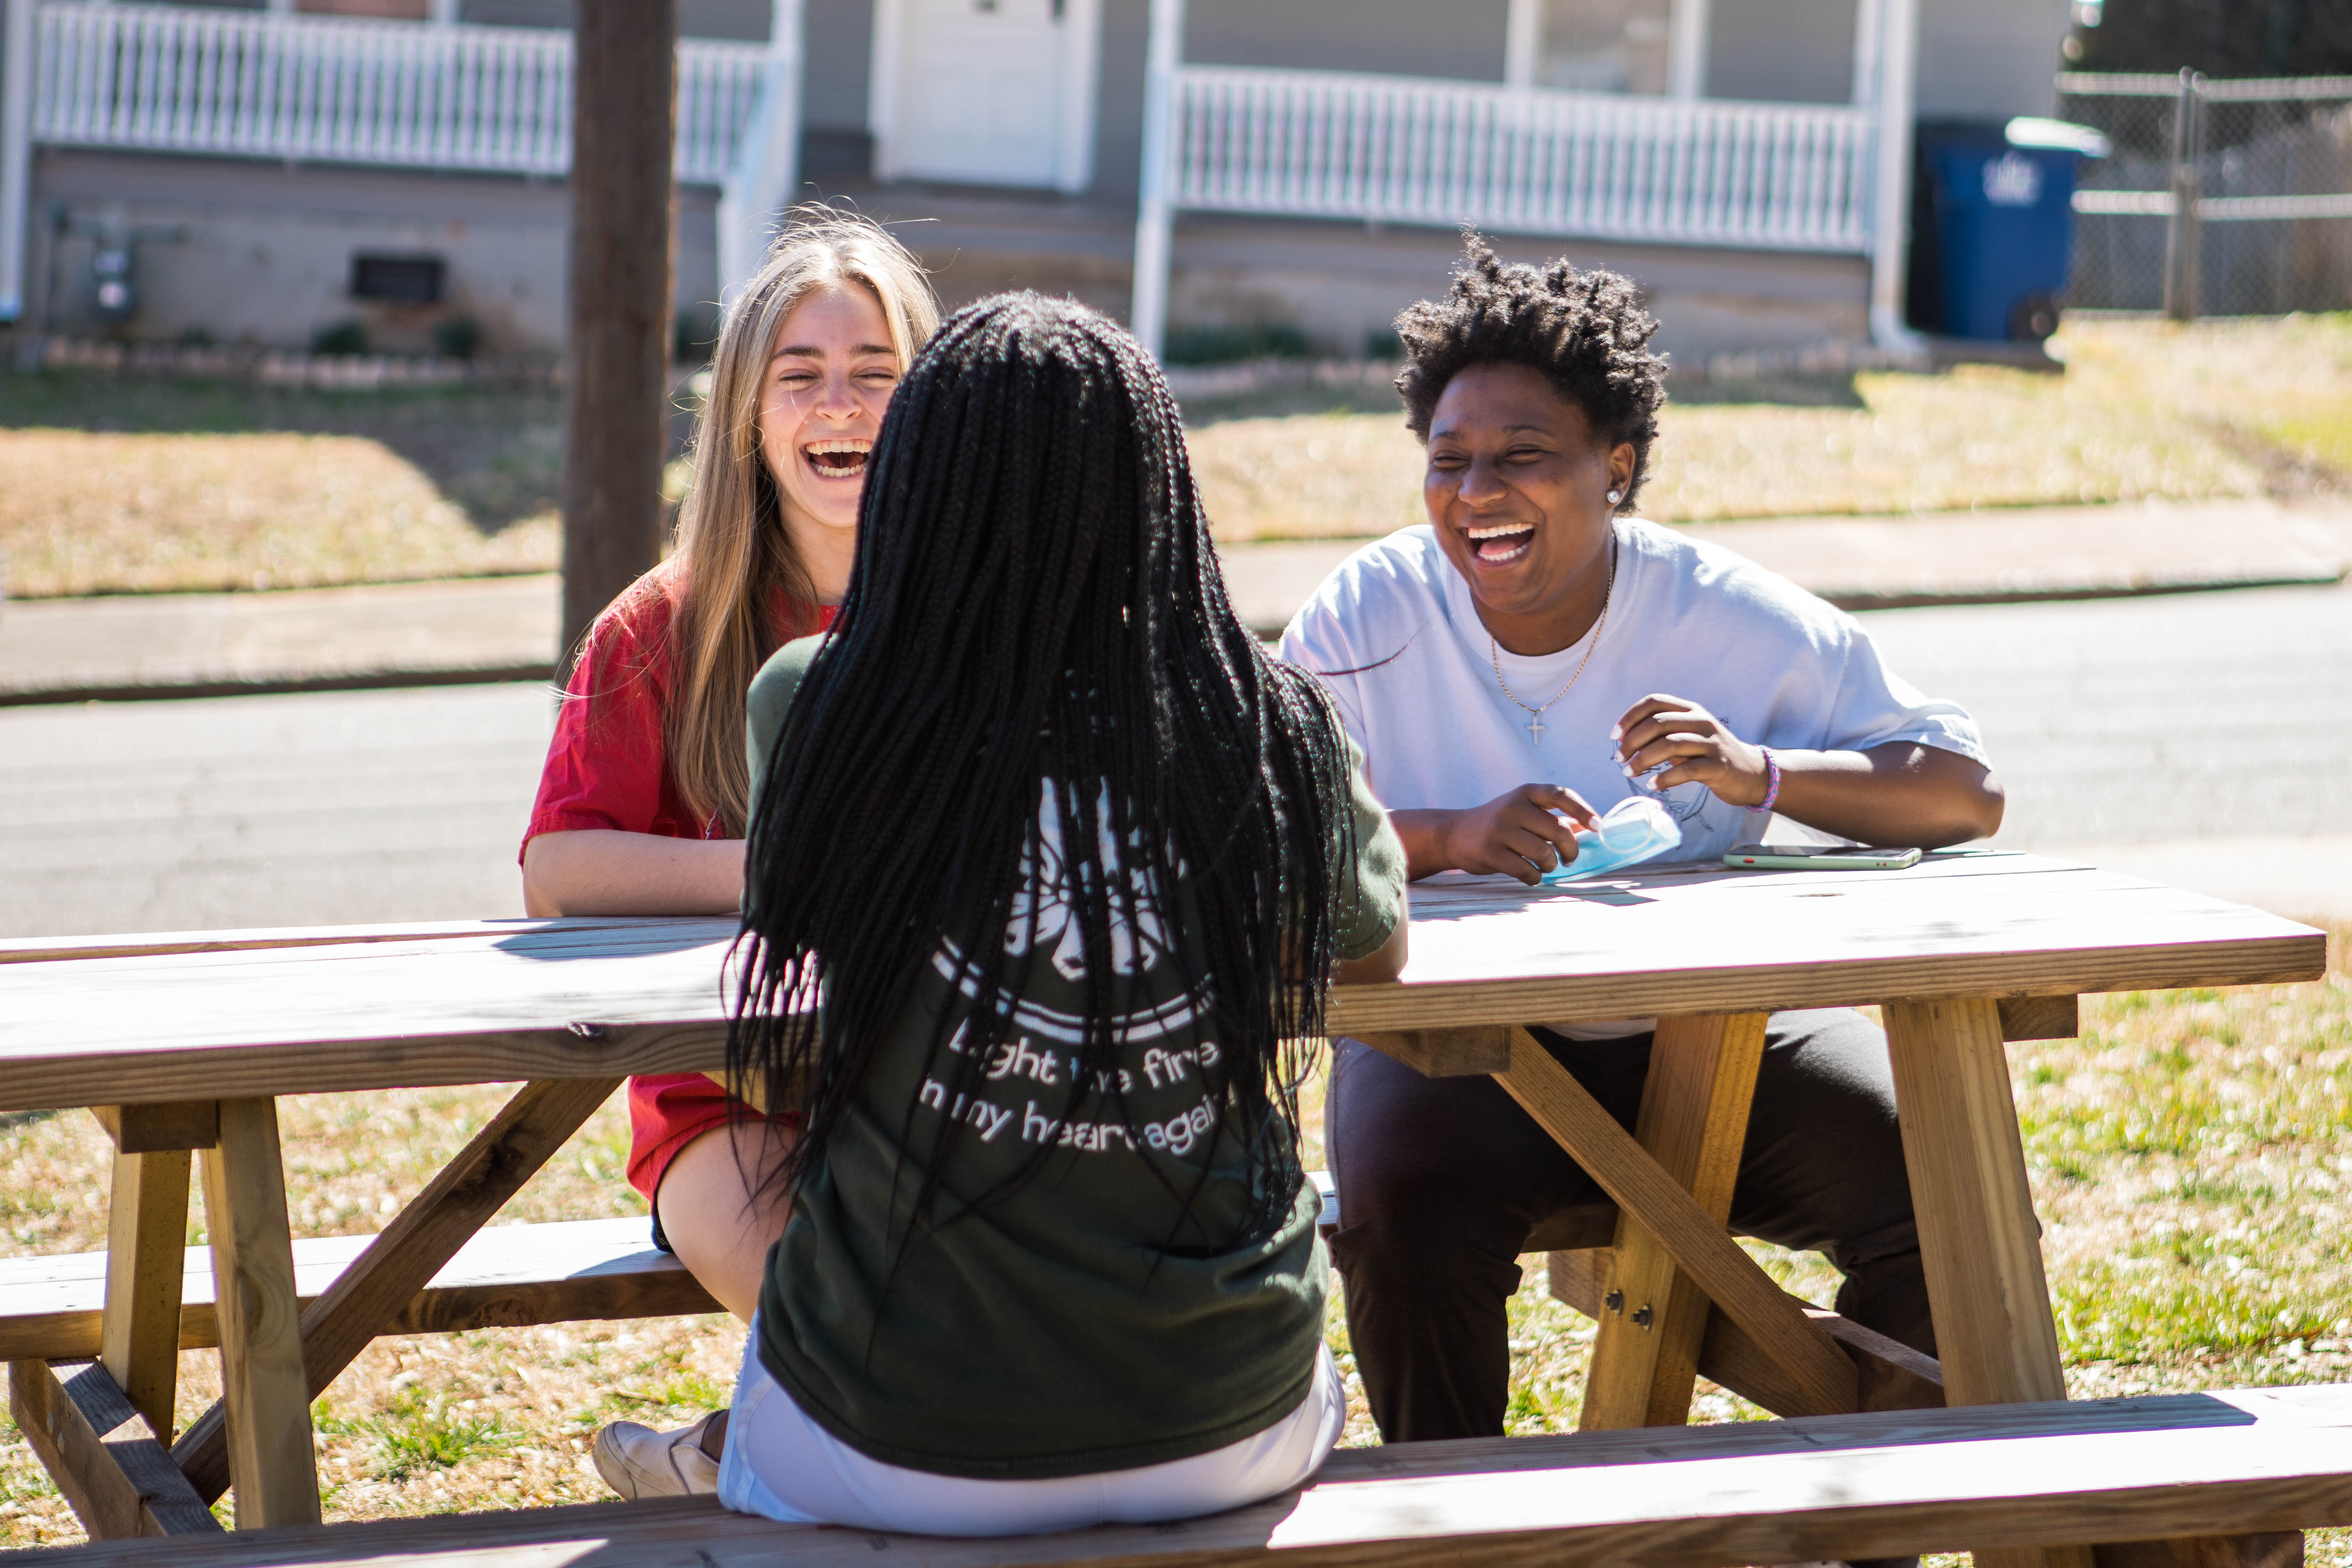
1635 829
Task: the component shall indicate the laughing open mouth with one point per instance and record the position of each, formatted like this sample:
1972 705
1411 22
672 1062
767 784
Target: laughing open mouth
838 459
1501 541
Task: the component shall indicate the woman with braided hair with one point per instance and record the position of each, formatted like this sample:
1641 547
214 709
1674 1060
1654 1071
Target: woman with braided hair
1049 867
643 799
1535 653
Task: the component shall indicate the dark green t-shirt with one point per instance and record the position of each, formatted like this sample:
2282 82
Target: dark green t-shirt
1083 1322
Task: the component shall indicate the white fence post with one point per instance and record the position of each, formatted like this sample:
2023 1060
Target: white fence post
766 169
1522 38
16 149
1687 30
1148 315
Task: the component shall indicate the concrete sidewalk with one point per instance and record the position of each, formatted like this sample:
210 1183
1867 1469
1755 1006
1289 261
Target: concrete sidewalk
419 634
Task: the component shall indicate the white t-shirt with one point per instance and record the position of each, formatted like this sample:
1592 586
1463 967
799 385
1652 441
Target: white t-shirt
1396 637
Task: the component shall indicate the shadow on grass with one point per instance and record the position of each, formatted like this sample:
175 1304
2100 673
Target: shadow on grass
1282 401
1788 391
495 452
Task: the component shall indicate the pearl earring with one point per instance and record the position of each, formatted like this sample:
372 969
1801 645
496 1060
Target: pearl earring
1616 496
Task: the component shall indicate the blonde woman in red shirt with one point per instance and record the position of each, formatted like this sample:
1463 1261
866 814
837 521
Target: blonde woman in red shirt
642 804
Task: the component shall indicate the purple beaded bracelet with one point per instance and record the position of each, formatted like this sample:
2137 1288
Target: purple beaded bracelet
1772 792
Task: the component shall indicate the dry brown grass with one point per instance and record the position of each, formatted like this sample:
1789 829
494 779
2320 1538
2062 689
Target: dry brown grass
2145 409
2192 1156
119 487
88 512
124 484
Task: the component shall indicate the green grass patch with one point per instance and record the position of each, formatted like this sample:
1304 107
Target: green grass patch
419 1431
2321 433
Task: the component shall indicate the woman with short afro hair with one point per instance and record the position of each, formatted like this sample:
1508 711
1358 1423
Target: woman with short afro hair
1528 657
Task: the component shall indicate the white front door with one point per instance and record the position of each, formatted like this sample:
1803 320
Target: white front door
991 92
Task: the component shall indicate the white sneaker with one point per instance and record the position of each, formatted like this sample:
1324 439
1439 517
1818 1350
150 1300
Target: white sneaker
638 1462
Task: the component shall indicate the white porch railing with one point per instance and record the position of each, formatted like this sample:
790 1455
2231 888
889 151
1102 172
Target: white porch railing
327 90
1410 151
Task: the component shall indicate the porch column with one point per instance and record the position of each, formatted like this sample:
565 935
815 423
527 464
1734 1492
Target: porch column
1686 30
1522 37
16 149
765 174
1890 211
1155 214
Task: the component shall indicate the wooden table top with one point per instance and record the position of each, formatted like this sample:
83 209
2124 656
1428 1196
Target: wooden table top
208 1016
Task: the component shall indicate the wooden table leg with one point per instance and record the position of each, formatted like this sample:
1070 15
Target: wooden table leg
1995 1334
146 1238
262 1382
100 1426
1978 1237
405 1255
1694 1122
147 1224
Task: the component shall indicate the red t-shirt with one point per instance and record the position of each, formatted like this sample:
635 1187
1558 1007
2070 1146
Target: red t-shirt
608 767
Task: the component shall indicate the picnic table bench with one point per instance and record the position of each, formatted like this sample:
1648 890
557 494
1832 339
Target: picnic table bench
189 1039
2145 1474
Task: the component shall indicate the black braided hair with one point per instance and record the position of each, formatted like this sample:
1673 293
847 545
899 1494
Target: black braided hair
1586 330
1035 598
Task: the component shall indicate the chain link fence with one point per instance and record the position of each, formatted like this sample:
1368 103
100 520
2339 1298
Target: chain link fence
2228 198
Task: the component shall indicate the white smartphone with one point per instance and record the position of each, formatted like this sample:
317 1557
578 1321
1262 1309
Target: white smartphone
1820 857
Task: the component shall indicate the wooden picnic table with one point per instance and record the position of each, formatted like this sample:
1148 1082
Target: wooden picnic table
186 1040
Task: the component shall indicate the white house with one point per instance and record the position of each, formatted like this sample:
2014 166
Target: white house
1290 164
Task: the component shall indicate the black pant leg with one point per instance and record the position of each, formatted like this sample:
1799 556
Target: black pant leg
1440 1180
1822 1171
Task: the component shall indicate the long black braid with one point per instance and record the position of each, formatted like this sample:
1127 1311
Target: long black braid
1035 598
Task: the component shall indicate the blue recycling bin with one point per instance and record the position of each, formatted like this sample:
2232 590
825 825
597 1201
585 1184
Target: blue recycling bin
1993 228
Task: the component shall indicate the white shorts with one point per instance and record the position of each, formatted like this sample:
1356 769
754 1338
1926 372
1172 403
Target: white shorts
782 1465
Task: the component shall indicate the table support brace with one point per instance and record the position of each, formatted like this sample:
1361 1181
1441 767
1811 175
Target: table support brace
404 1258
101 1453
1819 1373
1891 1376
1694 1122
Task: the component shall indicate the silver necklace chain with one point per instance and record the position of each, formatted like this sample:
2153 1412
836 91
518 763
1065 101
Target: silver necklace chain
1535 715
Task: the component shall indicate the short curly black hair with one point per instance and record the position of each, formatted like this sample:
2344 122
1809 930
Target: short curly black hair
1586 330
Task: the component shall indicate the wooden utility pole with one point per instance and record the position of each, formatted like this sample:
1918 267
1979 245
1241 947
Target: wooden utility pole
624 121
2184 240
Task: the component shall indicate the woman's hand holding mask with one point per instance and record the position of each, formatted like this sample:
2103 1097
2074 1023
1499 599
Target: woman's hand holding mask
1695 746
1521 833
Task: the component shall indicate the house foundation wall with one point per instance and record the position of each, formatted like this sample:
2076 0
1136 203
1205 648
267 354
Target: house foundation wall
253 252
1340 284
243 251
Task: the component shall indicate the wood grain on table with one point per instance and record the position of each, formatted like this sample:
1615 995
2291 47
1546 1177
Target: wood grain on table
557 999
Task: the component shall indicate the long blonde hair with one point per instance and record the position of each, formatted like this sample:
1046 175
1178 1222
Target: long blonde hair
734 555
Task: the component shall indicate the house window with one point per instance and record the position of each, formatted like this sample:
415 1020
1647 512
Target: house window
399 280
1604 45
